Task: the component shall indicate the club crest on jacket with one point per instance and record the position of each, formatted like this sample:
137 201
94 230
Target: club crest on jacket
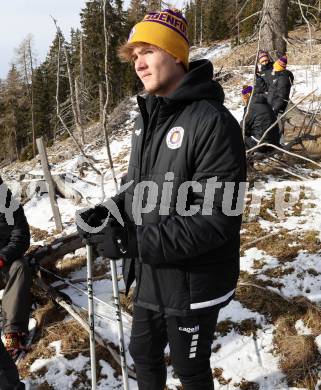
174 137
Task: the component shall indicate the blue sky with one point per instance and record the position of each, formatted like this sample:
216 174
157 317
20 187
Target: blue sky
18 18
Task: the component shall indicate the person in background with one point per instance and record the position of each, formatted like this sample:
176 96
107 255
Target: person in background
258 117
264 75
279 91
15 274
280 87
186 262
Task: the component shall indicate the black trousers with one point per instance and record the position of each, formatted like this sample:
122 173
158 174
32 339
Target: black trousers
190 340
9 377
16 281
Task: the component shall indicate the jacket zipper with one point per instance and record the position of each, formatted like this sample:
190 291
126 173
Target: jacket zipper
140 175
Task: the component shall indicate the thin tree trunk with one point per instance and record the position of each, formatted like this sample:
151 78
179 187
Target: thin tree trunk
101 102
79 110
72 96
32 102
105 110
201 29
195 18
81 64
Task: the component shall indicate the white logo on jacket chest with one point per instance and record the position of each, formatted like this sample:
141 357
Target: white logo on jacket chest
174 137
138 131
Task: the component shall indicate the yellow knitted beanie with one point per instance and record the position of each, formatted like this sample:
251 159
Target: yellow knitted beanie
280 64
165 29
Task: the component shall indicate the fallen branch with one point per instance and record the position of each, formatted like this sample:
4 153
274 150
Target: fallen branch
300 300
249 244
248 284
80 280
284 151
48 254
276 122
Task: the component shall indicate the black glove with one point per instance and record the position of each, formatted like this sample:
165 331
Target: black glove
93 217
115 241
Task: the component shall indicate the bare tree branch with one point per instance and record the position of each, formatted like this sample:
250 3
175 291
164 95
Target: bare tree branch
105 124
283 115
284 151
88 158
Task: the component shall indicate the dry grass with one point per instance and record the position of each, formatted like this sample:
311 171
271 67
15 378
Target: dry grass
45 316
67 265
45 386
51 327
298 52
127 303
38 234
246 327
269 210
252 230
263 301
299 357
218 374
281 244
247 385
278 272
74 340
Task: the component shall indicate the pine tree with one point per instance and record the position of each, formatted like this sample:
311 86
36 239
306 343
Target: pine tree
136 11
42 103
49 72
121 80
15 122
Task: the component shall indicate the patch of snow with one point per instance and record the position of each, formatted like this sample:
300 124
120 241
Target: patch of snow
318 343
210 53
301 329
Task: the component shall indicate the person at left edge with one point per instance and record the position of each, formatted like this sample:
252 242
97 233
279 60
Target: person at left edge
15 274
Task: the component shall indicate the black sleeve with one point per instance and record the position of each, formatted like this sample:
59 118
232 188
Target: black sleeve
282 94
19 238
219 152
260 85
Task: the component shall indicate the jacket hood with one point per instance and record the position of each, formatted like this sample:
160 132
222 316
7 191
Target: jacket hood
198 84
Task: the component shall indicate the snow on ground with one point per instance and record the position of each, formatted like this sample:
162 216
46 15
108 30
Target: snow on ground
239 356
210 53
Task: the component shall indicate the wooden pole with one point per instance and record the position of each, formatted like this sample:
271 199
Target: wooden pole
49 181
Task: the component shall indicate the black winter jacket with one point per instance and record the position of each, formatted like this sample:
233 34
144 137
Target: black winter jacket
15 234
264 78
187 263
259 118
279 90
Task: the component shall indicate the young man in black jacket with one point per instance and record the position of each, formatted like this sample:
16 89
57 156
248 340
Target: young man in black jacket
180 238
280 87
264 75
15 275
258 117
